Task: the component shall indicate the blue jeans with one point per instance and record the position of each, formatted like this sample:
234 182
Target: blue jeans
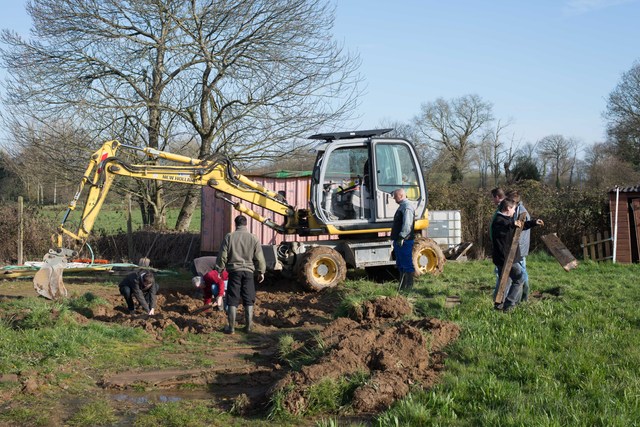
513 293
525 285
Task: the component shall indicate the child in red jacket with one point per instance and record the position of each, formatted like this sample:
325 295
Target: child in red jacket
213 285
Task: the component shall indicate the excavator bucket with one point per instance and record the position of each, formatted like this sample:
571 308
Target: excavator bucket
48 280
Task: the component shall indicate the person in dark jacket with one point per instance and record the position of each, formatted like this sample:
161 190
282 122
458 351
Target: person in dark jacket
503 228
241 255
141 285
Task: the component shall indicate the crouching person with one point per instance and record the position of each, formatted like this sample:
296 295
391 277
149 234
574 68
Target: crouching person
141 285
214 285
503 229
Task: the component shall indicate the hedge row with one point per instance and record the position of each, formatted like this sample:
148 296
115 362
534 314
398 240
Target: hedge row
568 212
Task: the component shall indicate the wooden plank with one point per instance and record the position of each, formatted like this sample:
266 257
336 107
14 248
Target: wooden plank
508 263
592 247
599 246
560 251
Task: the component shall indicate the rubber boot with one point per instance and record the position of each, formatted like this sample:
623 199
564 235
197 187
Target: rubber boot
248 318
408 281
231 316
402 281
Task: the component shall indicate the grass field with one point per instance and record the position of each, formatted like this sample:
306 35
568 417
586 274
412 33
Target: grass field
569 357
113 218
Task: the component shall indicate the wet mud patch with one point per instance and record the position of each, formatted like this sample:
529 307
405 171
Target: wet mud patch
380 340
395 354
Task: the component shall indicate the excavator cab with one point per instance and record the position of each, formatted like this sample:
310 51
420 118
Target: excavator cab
354 177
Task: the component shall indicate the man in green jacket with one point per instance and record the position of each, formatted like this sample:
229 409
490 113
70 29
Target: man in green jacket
241 255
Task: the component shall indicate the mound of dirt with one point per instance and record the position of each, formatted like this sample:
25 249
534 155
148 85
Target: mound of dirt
394 353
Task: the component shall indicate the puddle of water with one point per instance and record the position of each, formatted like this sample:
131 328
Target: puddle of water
158 396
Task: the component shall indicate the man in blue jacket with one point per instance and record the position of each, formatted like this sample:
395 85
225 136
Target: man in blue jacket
403 238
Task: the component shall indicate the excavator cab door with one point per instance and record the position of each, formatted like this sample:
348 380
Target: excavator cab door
396 166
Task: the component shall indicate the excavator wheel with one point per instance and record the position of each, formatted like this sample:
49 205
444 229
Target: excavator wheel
322 267
427 257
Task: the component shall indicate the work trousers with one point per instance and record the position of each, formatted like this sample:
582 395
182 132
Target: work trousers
404 256
241 287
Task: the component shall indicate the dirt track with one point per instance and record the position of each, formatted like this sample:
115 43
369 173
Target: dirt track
381 339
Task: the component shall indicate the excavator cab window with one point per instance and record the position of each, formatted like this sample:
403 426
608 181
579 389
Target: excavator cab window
344 193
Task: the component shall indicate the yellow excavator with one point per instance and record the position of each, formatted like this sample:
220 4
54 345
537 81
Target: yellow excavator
350 197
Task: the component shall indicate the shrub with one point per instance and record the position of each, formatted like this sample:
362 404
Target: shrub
37 232
569 212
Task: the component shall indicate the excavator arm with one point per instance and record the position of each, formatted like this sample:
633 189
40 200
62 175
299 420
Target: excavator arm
217 172
104 166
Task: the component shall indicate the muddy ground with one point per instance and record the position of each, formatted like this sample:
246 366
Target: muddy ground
381 339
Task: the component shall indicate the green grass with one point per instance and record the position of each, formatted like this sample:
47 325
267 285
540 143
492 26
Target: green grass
97 413
113 218
39 334
570 358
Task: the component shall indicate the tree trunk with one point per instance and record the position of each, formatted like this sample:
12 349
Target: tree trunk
144 212
456 173
188 208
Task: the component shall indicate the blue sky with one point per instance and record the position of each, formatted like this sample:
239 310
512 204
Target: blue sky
548 66
545 65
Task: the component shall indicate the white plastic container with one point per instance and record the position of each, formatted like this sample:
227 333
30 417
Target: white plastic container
445 227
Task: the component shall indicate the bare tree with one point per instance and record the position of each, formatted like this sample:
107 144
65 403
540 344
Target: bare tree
238 76
623 114
453 124
494 152
561 152
604 169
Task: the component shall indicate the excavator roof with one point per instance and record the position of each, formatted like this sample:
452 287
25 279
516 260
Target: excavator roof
349 135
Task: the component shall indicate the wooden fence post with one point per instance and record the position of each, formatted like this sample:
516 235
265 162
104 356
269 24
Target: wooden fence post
20 230
592 249
129 228
607 245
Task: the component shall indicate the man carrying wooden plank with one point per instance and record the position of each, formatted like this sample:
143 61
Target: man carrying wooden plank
505 235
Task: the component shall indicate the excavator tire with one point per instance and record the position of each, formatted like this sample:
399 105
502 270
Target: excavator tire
427 257
321 268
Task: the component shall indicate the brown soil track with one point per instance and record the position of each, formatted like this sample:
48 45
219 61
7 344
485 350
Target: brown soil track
395 350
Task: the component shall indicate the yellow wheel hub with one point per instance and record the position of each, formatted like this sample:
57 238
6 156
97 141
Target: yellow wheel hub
325 270
427 260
